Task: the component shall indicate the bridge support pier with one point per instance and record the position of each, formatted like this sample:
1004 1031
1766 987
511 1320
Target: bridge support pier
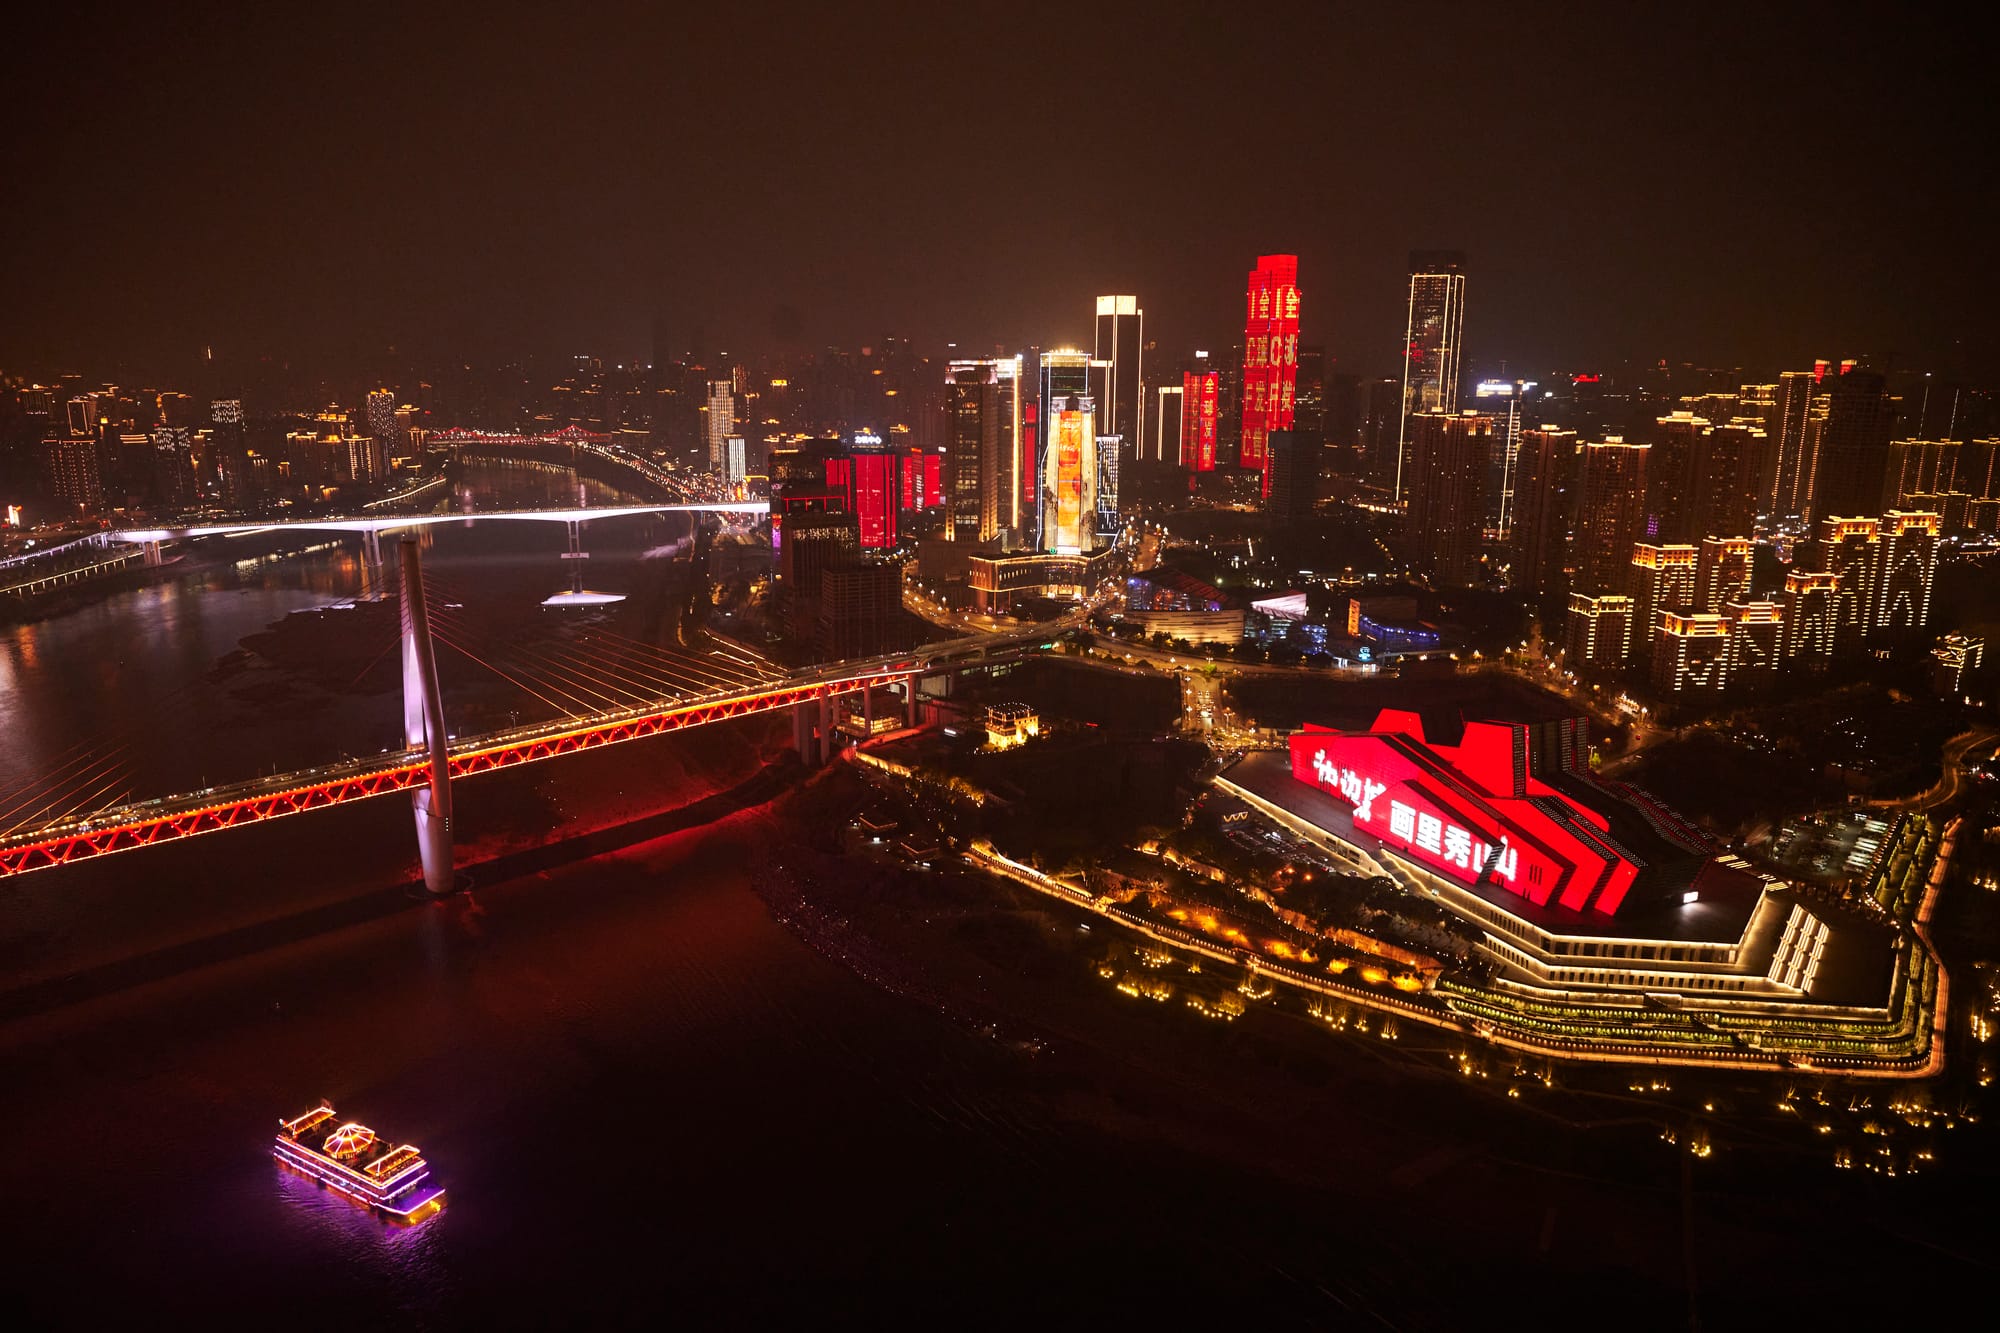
423 726
371 546
910 697
812 730
152 554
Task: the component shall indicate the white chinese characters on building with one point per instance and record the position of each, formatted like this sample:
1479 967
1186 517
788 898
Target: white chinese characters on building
1444 841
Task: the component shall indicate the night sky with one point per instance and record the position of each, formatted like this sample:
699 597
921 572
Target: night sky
1722 185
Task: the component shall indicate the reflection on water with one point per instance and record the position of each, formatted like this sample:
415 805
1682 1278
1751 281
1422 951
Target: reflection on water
130 684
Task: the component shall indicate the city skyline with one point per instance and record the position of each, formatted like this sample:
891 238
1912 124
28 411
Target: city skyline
527 223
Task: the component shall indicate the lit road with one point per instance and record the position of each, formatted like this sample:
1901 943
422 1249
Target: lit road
1952 774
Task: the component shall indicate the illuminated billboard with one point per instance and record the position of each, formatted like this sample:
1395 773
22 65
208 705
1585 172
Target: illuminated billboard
1069 479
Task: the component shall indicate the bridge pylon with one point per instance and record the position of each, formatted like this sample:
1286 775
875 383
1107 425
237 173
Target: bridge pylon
423 728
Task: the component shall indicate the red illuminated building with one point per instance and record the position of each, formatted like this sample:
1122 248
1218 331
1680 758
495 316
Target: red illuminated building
1507 808
1270 357
870 487
1199 393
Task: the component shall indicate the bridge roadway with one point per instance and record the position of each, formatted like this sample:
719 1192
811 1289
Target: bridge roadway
391 522
213 809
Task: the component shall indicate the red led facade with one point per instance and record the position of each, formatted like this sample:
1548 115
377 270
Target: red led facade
1270 357
1471 812
1025 465
868 484
1199 396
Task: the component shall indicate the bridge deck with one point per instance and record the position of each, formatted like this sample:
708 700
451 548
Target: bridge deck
144 823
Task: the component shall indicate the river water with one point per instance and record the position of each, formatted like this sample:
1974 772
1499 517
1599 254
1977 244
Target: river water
653 1100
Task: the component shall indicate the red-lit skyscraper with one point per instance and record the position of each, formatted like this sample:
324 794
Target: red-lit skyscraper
1199 393
1270 357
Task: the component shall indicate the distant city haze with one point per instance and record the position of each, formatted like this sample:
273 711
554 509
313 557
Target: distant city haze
1732 187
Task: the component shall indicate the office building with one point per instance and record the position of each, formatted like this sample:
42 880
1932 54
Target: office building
1294 476
1065 374
983 447
1164 424
1847 443
815 541
1790 465
70 467
869 483
1270 359
381 415
721 422
1450 455
1610 512
1724 481
1919 467
860 602
1199 404
1432 334
1069 476
1544 469
1502 400
1121 343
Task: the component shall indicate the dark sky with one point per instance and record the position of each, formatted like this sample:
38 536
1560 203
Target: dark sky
1728 185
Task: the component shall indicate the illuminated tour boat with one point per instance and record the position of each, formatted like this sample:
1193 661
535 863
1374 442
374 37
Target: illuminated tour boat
349 1158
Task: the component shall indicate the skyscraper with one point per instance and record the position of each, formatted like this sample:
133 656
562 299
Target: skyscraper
1066 373
1544 469
1447 517
1164 424
70 466
1121 342
1294 475
1069 476
1431 337
1610 512
1847 443
1199 404
382 421
1724 480
1791 472
1270 358
721 422
982 448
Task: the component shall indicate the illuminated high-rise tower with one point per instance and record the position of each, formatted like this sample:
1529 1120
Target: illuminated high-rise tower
1069 476
1066 373
982 448
721 421
1610 513
1270 358
1431 337
382 420
1121 341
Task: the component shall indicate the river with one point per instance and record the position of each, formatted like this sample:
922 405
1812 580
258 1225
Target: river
652 1099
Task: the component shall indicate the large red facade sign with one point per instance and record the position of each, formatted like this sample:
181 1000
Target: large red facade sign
1199 395
1270 357
1469 812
